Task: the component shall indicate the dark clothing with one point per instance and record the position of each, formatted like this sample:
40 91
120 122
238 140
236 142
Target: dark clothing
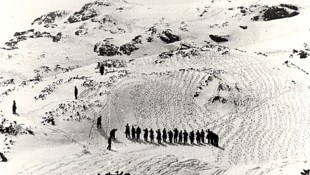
138 133
3 158
14 107
146 134
185 135
75 92
202 136
101 69
133 132
112 134
176 134
170 134
109 143
164 135
198 137
99 122
152 135
192 137
158 136
127 131
180 137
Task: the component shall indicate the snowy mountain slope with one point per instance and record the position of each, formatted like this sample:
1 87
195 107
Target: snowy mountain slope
247 89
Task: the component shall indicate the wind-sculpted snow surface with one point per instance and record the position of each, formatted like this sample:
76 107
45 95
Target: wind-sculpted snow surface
158 65
127 162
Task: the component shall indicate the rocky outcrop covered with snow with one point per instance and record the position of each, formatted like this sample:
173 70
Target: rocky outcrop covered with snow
277 12
48 19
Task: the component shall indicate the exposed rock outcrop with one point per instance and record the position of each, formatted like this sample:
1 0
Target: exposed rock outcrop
50 18
218 39
168 36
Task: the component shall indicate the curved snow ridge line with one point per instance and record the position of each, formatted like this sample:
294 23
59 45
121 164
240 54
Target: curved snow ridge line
133 163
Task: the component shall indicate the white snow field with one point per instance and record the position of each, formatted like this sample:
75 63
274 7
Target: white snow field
252 90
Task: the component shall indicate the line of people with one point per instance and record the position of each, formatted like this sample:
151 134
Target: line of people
175 136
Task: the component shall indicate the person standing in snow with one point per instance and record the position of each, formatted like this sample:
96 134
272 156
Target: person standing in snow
185 135
101 69
164 135
192 137
152 135
176 134
170 135
138 133
202 136
133 133
99 122
14 107
76 92
198 137
180 136
109 143
146 134
158 136
127 131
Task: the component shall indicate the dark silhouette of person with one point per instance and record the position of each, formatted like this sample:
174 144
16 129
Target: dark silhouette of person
138 132
146 134
202 136
112 134
76 91
14 107
176 134
209 136
3 158
170 135
101 69
133 132
99 122
127 131
152 135
216 140
192 137
198 137
180 137
164 135
109 143
185 135
158 136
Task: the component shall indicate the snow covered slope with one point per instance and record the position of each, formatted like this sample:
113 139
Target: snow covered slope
222 65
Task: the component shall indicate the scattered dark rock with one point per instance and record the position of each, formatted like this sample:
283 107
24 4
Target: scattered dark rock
106 20
243 27
57 37
128 48
137 39
81 32
217 38
289 6
168 36
105 48
86 12
50 18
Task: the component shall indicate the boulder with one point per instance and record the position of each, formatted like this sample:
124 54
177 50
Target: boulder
128 48
57 37
217 38
168 36
105 48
